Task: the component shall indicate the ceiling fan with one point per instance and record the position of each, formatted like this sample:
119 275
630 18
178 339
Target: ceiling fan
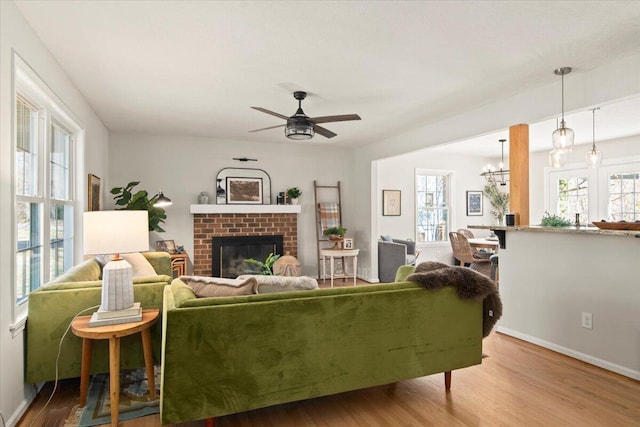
301 126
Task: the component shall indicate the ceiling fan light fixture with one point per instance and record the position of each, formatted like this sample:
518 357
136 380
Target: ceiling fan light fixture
299 128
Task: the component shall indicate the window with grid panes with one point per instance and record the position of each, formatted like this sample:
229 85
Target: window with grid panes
573 198
432 206
624 196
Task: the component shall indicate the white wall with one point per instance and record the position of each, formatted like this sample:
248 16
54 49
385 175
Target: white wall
16 36
548 279
398 173
182 167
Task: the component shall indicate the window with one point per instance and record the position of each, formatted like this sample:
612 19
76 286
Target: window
44 187
610 192
433 205
624 196
573 198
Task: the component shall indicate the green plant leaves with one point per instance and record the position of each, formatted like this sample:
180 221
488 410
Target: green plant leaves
139 201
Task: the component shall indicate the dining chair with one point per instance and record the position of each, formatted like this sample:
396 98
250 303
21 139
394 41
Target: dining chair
464 253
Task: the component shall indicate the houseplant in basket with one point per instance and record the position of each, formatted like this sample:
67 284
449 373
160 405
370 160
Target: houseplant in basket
335 234
293 194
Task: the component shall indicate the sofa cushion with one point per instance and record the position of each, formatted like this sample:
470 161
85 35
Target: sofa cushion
205 287
271 284
386 238
141 267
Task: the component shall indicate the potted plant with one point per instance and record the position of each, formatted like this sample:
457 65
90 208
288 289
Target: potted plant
139 201
499 200
266 267
293 194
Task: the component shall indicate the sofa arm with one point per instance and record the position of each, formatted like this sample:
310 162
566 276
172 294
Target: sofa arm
391 255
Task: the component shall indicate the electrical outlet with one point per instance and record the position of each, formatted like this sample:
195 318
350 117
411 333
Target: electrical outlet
438 254
587 320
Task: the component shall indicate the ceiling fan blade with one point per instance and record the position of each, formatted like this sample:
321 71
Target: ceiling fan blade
264 110
339 118
270 127
323 131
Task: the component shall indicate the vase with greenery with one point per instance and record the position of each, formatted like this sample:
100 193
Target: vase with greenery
335 231
293 194
139 201
266 266
550 220
499 201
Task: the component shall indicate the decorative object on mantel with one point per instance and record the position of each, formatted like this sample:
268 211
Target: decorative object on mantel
244 173
293 194
221 194
246 191
499 174
244 159
203 198
300 126
499 200
140 201
593 156
563 136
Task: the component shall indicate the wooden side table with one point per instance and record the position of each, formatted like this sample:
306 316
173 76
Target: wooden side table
80 328
339 253
179 264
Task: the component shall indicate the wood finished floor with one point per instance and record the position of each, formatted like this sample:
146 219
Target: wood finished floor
518 384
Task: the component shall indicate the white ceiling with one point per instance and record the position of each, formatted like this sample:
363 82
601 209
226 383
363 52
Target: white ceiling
195 67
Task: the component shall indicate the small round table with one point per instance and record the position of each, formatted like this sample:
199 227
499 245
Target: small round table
80 327
339 253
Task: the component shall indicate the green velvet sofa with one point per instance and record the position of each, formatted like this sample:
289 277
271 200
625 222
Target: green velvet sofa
53 306
233 354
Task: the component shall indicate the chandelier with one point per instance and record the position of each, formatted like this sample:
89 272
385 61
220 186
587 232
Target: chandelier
497 175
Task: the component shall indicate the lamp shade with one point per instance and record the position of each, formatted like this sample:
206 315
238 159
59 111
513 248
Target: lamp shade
115 232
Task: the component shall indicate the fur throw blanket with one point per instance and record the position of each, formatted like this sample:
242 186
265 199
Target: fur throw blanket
469 284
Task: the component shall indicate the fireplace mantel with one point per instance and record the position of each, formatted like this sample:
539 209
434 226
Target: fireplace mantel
245 209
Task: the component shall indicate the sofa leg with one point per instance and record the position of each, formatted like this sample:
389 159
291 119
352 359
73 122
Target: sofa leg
447 380
210 422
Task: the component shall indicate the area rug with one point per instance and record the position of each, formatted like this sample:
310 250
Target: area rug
134 399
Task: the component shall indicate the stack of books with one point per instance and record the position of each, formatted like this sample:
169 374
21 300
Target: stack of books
114 317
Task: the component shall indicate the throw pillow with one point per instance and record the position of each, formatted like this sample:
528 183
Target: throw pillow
271 284
386 238
140 265
205 287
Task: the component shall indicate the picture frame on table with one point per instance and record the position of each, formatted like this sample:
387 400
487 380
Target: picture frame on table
474 203
391 203
94 188
347 243
166 246
244 191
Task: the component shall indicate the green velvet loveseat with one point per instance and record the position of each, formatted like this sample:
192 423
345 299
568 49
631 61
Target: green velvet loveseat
233 354
53 306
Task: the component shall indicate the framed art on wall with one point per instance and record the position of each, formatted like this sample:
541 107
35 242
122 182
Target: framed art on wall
474 203
391 202
94 189
166 246
244 191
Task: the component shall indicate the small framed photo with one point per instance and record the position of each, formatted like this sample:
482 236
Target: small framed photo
166 246
391 202
95 190
474 203
244 191
347 243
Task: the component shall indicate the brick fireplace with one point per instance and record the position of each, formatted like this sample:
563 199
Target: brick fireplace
240 220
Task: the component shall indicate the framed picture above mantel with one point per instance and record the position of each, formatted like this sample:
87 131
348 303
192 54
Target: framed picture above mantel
245 191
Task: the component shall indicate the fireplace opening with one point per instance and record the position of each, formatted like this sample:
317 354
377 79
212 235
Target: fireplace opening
229 253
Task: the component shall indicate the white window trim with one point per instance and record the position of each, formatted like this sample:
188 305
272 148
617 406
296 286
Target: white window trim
29 85
451 198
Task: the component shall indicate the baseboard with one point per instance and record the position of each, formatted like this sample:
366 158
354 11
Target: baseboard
604 364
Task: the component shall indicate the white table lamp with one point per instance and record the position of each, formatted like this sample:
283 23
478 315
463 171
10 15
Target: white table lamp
113 233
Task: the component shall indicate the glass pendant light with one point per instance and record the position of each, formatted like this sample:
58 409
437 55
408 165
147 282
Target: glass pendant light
594 157
557 159
563 136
